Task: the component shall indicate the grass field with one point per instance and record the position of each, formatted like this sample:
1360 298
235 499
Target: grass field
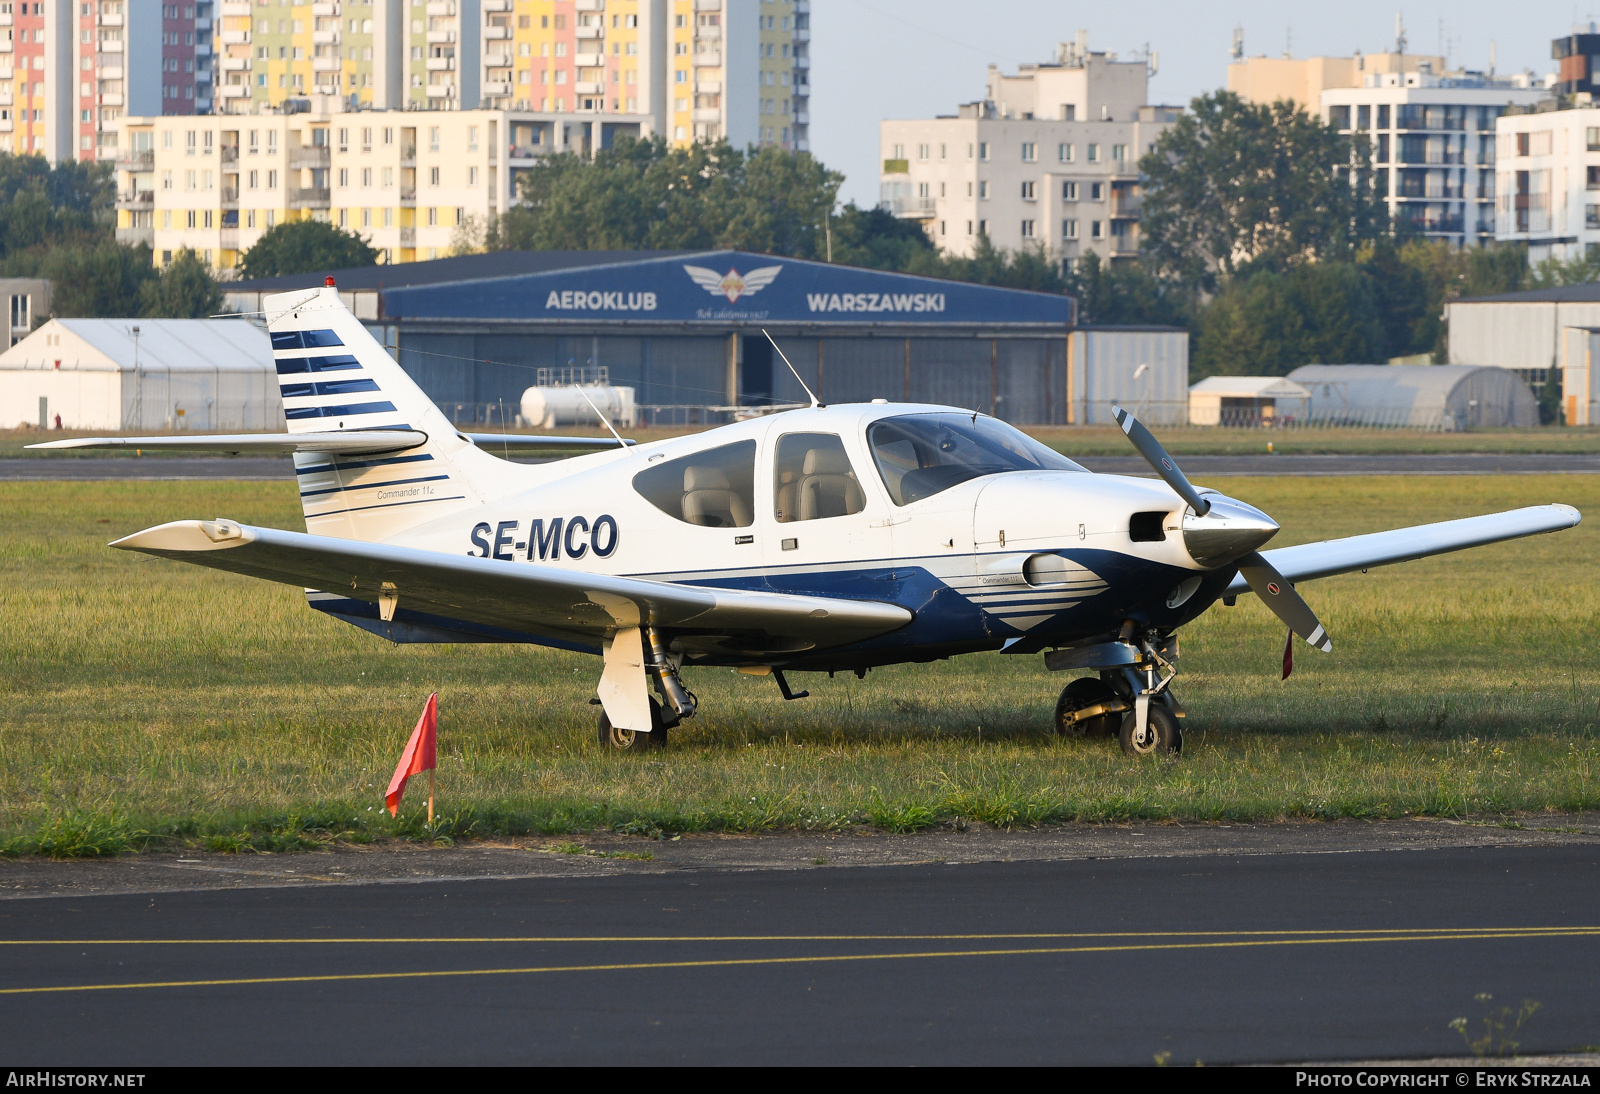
151 697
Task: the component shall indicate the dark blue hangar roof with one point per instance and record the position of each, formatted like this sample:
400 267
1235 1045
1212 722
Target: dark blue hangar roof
692 288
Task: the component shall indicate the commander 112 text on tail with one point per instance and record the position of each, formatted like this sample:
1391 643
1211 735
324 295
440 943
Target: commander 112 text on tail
829 538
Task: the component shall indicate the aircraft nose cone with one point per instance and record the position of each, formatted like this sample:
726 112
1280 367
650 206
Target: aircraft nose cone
1229 531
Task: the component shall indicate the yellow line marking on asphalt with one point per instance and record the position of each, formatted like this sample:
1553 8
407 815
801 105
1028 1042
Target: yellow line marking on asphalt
1351 932
816 959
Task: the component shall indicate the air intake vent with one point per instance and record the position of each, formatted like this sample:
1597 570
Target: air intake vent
1146 527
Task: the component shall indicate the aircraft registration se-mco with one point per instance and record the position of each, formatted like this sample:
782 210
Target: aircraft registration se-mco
831 538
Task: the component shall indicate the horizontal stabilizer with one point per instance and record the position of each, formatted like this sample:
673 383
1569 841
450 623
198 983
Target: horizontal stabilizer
1342 556
523 442
527 601
347 441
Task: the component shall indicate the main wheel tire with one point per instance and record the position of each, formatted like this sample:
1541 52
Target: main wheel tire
1085 692
627 740
1162 735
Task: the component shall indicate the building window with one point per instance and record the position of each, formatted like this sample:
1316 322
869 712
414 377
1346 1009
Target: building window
1119 152
922 152
1069 229
1097 191
433 176
983 150
1030 152
983 227
1027 191
983 190
1064 153
1094 230
1591 216
1593 138
433 217
1069 191
1594 178
941 227
1027 229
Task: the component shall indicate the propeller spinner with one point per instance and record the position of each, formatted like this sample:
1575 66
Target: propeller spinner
1221 531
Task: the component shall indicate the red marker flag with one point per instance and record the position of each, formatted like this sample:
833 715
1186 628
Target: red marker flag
420 755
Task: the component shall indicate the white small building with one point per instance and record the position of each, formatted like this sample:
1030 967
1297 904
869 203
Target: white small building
1434 397
1246 400
1548 177
208 375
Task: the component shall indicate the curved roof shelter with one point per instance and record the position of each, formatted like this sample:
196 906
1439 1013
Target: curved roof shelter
1441 397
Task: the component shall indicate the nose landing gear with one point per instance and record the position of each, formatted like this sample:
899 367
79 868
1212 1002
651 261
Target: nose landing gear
1131 699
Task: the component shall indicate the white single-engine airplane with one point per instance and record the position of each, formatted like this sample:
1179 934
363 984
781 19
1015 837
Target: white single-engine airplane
830 538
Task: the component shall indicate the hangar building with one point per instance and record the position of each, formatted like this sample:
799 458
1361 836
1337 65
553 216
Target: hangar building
1437 397
210 375
684 329
1531 332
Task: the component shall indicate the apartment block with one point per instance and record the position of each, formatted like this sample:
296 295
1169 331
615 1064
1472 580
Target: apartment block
405 180
1433 145
70 70
701 69
1548 187
1049 158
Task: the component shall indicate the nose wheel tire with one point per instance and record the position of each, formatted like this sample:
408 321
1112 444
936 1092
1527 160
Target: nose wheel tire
1085 692
1161 733
613 739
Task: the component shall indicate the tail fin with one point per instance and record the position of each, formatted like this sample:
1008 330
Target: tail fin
335 376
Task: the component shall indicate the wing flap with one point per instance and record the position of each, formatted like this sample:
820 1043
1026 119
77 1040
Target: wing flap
542 601
1307 561
347 442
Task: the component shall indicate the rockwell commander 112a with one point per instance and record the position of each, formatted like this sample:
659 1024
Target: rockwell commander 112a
830 538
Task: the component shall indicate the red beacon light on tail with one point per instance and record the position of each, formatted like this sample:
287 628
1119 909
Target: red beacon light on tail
328 281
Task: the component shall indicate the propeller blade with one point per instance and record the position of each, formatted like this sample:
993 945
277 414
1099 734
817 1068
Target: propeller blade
1280 597
1163 464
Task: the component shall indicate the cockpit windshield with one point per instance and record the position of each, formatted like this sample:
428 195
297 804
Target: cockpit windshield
919 455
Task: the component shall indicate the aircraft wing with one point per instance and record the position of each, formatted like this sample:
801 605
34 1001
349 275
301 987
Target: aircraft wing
345 442
1342 556
542 602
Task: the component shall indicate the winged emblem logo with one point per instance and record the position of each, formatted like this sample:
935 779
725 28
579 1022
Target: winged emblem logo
733 284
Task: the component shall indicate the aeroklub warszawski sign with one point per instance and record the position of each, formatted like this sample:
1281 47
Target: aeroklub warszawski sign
728 287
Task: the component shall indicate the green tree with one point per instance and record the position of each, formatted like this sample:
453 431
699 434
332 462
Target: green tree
42 207
1405 297
879 240
184 290
1273 323
1126 292
305 246
648 195
106 280
1235 187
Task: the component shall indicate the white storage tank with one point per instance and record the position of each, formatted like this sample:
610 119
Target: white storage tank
548 407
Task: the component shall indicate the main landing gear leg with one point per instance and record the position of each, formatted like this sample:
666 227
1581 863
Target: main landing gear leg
1131 699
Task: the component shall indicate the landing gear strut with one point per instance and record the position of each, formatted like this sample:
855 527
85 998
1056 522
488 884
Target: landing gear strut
1131 699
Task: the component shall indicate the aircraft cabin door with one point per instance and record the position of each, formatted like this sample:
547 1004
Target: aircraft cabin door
827 527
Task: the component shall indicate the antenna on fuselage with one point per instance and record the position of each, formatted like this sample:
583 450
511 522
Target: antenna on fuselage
603 419
794 370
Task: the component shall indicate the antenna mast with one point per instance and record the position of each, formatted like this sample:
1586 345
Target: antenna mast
792 369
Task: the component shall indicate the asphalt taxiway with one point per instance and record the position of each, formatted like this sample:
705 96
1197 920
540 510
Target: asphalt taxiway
1335 944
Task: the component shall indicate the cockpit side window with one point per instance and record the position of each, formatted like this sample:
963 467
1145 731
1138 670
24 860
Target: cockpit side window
713 489
919 455
813 479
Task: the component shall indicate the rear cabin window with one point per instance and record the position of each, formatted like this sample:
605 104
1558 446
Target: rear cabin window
919 455
813 479
714 488
304 339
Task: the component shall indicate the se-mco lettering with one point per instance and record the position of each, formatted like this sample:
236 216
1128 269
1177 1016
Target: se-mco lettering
546 539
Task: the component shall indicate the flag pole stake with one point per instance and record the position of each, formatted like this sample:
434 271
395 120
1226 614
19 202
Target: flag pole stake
430 797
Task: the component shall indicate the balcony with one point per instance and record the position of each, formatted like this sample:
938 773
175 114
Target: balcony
110 46
910 208
802 35
408 195
707 114
236 37
441 38
708 60
408 237
583 33
107 72
137 200
708 87
325 37
802 7
497 87
132 237
495 5
408 155
589 60
235 64
228 239
311 197
111 20
590 5
1125 206
137 161
802 62
707 33
802 118
589 87
496 33
441 7
324 9
235 7
234 91
441 91
497 60
310 156
230 197
707 5
5 19
441 64
230 154
111 98
327 64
